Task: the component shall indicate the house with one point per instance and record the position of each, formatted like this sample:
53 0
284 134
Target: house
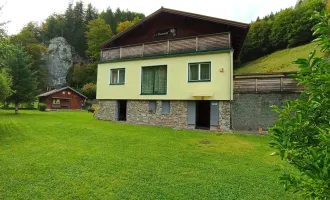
171 69
64 98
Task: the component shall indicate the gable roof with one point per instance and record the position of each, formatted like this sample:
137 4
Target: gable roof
59 90
182 13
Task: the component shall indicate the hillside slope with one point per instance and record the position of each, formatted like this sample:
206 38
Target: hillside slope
280 61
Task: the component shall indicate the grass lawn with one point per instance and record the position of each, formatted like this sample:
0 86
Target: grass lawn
69 155
279 61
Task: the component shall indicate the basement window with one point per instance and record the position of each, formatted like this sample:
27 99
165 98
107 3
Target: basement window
166 107
199 72
152 106
117 76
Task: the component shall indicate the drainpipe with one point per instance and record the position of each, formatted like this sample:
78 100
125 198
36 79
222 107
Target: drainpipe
231 87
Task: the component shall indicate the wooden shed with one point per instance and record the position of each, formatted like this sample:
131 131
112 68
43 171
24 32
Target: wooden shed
64 98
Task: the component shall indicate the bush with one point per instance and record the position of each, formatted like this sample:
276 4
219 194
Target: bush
301 135
89 90
42 107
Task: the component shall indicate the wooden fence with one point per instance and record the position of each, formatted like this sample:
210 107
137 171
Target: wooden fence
266 83
191 44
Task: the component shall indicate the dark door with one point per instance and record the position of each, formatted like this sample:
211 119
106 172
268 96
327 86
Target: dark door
203 109
122 110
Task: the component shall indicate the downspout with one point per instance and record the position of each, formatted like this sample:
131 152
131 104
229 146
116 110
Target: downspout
231 88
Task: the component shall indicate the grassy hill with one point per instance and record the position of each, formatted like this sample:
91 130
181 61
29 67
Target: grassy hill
280 61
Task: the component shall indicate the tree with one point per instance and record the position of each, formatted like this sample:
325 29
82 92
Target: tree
301 134
79 26
24 83
5 85
258 41
91 13
126 24
27 38
114 18
2 24
54 26
89 90
97 33
6 49
123 26
281 28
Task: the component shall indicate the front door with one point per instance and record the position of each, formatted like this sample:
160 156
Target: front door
203 113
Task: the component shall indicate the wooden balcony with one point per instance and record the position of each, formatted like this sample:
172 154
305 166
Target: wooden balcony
164 47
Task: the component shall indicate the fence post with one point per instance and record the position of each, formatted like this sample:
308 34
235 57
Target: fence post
281 84
120 49
168 47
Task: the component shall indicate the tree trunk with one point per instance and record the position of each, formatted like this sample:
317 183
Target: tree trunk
16 107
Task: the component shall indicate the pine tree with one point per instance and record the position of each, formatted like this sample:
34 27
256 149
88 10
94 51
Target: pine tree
69 24
91 13
24 83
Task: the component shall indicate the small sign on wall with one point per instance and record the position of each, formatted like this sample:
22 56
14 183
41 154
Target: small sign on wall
214 104
166 32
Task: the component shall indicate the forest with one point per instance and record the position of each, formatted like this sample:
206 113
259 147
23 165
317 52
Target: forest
84 28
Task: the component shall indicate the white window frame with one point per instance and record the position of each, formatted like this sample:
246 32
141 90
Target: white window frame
199 71
118 72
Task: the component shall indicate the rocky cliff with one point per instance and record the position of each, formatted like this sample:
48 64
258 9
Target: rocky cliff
58 61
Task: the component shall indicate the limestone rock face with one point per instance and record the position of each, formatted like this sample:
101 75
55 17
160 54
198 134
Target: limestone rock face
58 61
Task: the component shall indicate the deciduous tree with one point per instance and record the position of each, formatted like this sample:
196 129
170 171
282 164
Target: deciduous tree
97 33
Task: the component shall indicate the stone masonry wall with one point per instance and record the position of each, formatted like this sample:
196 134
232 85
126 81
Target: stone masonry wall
224 115
251 111
138 113
107 110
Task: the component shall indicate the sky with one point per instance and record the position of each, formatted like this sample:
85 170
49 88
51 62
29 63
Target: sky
20 12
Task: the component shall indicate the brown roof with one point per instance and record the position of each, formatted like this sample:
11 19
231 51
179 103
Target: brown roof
59 90
182 13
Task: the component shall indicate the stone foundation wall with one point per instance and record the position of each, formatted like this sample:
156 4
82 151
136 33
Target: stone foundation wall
138 113
107 110
224 116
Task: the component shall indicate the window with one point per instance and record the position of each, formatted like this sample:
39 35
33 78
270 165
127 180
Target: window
152 106
69 93
166 107
56 101
199 72
63 92
154 80
117 77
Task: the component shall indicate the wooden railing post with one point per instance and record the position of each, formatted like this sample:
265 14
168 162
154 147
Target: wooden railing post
142 50
168 47
281 84
120 49
256 85
229 39
196 43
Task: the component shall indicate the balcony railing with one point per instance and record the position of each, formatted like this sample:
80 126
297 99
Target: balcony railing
182 45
